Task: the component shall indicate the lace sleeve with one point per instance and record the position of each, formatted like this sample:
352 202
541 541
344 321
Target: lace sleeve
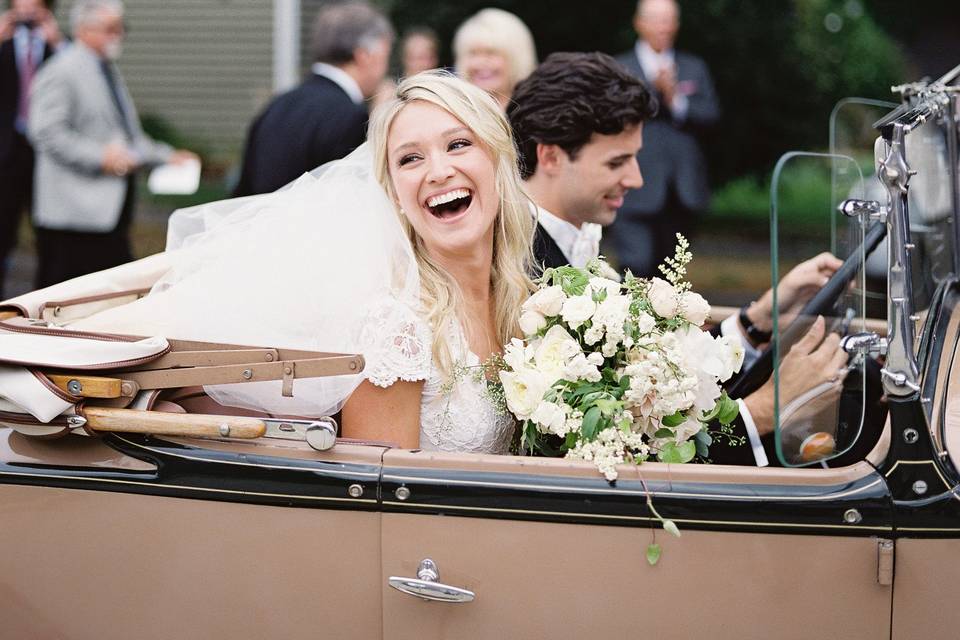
396 345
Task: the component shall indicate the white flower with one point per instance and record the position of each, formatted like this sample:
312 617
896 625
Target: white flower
595 359
593 334
695 308
554 352
580 369
608 272
523 390
612 287
731 350
663 297
531 321
645 322
516 354
547 302
551 417
577 310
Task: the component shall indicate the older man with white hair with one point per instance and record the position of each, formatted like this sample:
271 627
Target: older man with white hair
89 145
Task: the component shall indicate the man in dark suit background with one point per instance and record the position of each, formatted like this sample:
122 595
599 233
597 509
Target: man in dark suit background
673 167
325 117
28 36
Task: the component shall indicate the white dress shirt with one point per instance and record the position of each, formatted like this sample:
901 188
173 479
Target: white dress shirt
342 79
730 327
652 63
579 246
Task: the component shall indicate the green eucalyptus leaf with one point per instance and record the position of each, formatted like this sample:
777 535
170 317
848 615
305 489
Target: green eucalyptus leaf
591 421
678 454
671 527
653 553
663 432
608 406
728 409
703 441
674 420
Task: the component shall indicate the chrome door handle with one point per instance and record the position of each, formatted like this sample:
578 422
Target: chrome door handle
425 585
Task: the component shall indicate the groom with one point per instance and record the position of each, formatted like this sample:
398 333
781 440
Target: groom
578 124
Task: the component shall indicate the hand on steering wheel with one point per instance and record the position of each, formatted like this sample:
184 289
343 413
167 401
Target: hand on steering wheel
813 360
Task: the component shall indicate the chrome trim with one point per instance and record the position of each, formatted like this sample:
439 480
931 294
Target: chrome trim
627 492
901 374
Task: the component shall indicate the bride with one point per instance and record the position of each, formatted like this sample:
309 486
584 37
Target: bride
417 258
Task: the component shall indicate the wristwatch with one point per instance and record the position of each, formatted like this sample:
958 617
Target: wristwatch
755 335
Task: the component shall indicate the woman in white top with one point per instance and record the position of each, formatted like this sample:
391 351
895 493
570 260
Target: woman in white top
443 152
413 251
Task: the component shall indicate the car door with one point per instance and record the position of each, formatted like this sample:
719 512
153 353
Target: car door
550 549
131 537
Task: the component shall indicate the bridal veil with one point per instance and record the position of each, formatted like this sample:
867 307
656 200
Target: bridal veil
305 267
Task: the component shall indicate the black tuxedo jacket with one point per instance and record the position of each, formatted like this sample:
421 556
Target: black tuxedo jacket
298 131
10 94
546 253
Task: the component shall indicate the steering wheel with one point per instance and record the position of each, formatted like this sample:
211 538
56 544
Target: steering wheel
753 377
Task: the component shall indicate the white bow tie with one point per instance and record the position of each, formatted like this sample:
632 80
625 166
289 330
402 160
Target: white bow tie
586 244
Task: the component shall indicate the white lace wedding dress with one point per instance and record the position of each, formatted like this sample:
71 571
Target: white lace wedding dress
456 414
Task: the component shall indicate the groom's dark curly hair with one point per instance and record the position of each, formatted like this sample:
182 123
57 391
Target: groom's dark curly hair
570 97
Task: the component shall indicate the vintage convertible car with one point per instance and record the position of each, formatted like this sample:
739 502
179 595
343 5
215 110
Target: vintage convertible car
190 525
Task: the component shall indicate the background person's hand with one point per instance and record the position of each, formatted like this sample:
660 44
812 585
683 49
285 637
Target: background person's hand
666 84
181 156
794 290
813 360
118 160
49 27
7 24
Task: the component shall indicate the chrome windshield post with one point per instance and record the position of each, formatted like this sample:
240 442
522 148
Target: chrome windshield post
901 374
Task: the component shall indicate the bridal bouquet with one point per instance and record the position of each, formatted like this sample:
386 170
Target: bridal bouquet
615 373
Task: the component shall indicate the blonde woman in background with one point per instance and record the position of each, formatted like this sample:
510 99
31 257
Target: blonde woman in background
494 50
443 153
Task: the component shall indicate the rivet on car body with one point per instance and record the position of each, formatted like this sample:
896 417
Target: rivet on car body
919 487
75 387
355 491
402 493
247 374
910 436
852 516
224 430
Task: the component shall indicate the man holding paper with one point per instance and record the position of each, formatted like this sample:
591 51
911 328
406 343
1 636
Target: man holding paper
89 145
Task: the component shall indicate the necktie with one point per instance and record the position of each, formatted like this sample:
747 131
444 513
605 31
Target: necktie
586 246
115 94
26 80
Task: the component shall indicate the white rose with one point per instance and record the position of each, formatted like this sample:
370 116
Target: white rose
695 308
551 417
555 351
577 310
547 302
663 297
596 359
531 322
523 390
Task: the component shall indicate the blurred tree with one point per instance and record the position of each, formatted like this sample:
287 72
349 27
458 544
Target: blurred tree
779 65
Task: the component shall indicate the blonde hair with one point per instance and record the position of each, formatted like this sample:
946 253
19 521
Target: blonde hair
441 296
503 32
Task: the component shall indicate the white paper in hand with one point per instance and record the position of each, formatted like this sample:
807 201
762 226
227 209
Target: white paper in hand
175 179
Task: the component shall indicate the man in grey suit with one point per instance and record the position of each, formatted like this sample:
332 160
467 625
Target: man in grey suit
675 176
89 145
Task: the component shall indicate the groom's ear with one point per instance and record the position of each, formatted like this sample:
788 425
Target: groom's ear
550 158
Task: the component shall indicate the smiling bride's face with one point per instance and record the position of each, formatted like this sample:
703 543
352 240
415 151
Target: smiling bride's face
444 179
